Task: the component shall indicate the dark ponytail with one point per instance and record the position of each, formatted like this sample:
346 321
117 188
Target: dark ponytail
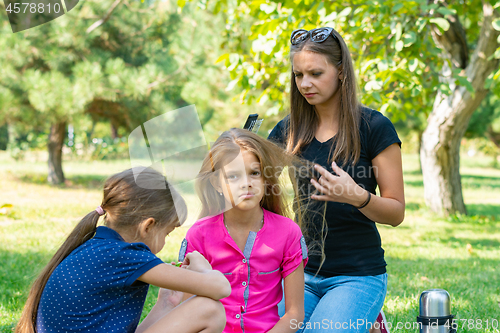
126 203
83 231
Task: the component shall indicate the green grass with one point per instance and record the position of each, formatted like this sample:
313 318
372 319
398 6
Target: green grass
460 254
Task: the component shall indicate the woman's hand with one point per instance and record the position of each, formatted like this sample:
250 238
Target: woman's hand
338 188
388 208
194 261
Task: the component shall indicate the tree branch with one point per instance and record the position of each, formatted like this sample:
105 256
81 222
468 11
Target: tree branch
482 62
169 76
453 41
451 114
105 18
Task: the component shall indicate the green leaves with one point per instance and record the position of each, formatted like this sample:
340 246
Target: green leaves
463 81
496 24
56 103
373 85
396 59
446 11
413 64
397 7
57 70
442 23
409 38
345 12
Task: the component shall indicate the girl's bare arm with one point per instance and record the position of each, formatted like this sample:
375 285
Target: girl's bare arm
196 278
294 302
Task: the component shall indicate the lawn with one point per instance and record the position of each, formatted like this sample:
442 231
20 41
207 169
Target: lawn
460 254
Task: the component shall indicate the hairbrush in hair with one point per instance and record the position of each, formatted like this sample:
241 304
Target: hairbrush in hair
253 123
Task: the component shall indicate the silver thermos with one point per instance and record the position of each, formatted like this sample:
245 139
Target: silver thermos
435 312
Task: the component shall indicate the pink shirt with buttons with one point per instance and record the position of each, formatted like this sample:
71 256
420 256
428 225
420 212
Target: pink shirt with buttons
255 274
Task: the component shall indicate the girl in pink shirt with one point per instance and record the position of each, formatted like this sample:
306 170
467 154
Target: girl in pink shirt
243 234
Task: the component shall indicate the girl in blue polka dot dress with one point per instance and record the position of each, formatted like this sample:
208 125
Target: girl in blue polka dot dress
99 278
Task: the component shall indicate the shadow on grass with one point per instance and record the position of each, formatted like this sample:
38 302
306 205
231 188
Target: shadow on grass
72 182
481 243
468 181
473 284
413 206
84 181
87 181
447 234
414 172
7 328
475 181
452 273
414 183
485 210
17 273
487 221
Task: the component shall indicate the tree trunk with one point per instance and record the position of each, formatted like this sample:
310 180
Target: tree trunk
56 140
4 136
114 131
450 116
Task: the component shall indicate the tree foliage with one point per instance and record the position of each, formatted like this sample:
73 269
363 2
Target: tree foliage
56 70
413 58
398 63
148 58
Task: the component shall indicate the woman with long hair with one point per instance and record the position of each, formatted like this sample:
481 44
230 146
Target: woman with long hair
355 149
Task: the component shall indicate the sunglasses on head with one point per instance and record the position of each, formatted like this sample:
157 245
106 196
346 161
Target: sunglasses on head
318 35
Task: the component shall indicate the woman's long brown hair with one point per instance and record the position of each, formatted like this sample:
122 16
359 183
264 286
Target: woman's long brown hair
129 198
304 120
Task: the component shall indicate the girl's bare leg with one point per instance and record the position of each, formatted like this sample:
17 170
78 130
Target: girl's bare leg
167 300
197 314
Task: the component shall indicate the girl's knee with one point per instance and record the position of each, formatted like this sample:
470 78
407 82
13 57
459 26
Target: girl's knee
216 309
212 310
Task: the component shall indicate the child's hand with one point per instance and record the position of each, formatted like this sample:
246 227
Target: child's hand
196 262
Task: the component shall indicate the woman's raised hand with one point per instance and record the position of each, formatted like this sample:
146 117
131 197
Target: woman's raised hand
196 262
337 188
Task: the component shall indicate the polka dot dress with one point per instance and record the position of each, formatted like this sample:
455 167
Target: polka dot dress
95 289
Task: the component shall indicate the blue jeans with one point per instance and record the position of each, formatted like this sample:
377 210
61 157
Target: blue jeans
341 303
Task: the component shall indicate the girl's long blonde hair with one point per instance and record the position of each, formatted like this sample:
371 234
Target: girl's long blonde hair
273 161
129 197
229 145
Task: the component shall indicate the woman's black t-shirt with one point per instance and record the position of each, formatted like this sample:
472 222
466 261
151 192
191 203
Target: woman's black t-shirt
352 244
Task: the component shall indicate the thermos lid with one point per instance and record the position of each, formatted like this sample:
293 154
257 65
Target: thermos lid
435 303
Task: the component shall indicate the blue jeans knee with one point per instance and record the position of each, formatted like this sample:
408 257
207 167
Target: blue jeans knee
340 303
